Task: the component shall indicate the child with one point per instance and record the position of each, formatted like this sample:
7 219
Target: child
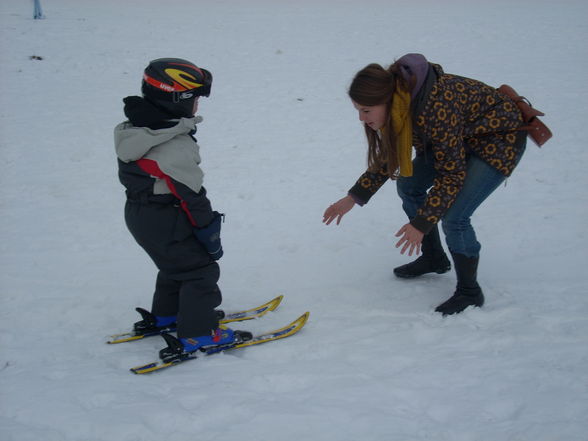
167 210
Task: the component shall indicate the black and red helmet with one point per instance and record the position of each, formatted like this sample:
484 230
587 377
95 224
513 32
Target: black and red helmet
173 84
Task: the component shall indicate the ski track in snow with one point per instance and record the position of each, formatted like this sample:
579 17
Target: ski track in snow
280 141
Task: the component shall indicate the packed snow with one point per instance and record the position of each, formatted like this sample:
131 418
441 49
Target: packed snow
280 141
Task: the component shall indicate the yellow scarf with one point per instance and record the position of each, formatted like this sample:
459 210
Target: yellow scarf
402 126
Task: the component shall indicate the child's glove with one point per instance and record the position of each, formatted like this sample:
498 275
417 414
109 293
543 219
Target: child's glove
209 236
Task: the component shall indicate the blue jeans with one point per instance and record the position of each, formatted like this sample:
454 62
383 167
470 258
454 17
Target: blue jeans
481 180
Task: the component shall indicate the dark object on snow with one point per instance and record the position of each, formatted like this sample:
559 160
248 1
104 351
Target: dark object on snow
38 14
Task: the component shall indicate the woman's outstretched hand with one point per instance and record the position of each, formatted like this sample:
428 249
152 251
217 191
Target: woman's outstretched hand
411 237
338 210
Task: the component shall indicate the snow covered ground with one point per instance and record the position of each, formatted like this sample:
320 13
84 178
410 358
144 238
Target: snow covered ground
280 142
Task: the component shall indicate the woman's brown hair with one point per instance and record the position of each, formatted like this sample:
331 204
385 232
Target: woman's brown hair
372 86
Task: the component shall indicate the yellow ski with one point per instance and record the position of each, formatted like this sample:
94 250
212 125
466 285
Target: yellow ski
237 316
265 337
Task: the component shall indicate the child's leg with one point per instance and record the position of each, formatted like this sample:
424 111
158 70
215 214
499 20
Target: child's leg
197 300
166 296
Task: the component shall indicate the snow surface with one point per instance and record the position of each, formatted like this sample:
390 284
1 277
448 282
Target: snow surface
280 142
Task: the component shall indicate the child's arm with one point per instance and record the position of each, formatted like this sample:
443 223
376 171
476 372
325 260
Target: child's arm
195 204
207 223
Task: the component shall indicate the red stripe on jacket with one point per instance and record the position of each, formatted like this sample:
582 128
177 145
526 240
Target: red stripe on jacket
152 167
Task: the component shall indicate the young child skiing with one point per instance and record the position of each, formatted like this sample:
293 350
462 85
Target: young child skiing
167 210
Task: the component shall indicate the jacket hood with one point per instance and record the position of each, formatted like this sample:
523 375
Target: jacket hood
417 65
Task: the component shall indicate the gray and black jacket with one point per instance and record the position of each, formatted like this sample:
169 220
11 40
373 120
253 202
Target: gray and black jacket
159 160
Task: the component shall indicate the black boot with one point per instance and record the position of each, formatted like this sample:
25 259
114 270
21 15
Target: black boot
468 292
432 260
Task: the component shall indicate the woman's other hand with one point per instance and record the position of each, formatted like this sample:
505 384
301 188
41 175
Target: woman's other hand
338 210
411 237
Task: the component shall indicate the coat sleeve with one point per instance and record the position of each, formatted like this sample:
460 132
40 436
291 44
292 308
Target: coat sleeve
367 185
445 133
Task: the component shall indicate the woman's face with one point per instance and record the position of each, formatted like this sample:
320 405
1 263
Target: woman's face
372 116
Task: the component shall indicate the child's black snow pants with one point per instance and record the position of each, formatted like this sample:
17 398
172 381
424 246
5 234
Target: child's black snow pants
186 284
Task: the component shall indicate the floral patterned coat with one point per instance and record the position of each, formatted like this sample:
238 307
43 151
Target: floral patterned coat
454 117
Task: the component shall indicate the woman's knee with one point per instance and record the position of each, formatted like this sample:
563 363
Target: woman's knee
460 236
457 225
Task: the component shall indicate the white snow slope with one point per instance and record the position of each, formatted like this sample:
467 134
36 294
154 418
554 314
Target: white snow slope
280 142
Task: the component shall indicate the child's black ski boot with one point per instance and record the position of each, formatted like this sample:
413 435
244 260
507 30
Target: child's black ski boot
151 323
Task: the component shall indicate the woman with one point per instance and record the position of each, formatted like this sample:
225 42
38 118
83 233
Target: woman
467 141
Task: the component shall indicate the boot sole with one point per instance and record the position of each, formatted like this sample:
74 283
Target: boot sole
412 276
